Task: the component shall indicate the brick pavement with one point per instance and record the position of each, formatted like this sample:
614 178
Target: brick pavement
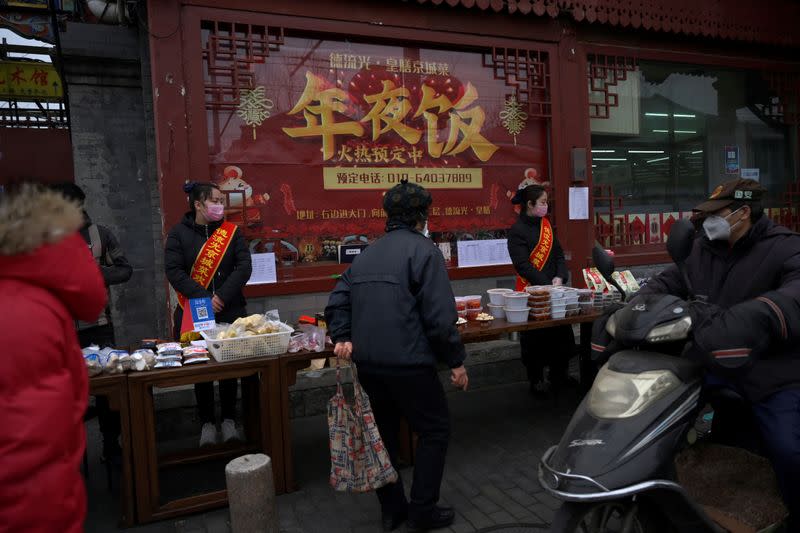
498 436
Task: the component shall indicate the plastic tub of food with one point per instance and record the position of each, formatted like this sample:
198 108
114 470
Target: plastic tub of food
497 296
461 303
496 311
473 301
462 313
540 316
559 314
516 300
472 314
515 316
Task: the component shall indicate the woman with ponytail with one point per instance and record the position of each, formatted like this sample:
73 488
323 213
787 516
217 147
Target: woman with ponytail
539 260
206 256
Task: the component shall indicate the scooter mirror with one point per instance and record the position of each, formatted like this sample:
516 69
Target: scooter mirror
603 261
681 239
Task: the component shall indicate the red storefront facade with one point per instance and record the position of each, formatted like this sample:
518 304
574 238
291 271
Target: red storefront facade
306 112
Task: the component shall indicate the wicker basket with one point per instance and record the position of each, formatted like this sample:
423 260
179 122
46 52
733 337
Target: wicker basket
239 348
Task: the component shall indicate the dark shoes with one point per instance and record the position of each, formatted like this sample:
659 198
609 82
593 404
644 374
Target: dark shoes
438 518
392 521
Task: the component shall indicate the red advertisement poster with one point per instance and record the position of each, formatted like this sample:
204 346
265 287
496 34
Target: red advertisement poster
323 128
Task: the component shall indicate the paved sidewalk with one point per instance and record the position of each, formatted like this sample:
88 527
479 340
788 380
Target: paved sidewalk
498 436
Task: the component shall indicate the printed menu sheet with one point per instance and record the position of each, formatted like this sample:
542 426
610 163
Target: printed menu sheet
483 253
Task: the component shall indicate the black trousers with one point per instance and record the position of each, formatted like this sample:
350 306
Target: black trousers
204 392
108 420
419 397
552 347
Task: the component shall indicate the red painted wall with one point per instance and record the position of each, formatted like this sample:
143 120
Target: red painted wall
42 155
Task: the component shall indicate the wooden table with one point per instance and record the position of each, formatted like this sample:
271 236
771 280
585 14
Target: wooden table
290 364
259 377
115 388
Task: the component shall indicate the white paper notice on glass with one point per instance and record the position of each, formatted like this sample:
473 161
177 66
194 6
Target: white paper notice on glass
263 269
579 203
482 253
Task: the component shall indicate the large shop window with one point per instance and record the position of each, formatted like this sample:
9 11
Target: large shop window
306 134
664 135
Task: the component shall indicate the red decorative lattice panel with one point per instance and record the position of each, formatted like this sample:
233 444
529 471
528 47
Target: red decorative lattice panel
527 72
229 52
605 73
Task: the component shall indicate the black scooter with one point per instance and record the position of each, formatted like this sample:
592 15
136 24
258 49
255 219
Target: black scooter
626 462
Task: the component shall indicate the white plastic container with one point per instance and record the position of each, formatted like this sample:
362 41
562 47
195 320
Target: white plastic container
515 316
559 313
497 311
497 296
516 301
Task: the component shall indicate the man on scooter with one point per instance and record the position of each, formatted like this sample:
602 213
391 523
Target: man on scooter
748 269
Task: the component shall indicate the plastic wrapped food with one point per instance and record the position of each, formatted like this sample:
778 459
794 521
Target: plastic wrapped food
252 325
196 359
143 360
168 364
92 360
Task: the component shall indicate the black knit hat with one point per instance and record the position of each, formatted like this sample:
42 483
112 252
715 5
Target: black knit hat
406 199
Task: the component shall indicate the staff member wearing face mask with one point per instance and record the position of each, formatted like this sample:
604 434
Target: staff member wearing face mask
539 260
749 268
207 257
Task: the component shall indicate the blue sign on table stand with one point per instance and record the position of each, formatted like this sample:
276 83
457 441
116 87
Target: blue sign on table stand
202 314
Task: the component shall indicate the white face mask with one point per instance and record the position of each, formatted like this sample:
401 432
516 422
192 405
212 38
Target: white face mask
425 231
718 228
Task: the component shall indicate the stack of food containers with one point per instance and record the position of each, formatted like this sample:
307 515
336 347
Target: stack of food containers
516 308
558 303
585 301
469 307
571 298
539 300
497 300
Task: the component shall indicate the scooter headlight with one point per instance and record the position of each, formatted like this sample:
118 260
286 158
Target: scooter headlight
676 330
618 395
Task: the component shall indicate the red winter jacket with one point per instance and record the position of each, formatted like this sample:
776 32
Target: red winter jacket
48 279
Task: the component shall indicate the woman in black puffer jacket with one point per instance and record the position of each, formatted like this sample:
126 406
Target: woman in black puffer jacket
184 242
552 346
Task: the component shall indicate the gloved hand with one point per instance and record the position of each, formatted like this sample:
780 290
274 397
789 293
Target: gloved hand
729 341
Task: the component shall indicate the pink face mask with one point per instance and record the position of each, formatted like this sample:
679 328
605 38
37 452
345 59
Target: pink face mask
540 211
215 212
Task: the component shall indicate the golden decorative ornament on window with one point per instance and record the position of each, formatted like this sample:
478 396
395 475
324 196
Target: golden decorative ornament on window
254 107
513 117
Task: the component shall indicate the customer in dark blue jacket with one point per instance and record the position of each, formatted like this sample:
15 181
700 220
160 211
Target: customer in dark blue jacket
393 312
748 270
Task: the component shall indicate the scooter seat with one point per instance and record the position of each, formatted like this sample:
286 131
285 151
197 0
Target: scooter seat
734 485
638 361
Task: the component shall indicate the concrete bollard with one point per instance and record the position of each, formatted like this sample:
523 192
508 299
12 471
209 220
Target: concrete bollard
251 494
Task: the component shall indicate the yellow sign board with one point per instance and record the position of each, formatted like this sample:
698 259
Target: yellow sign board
27 80
382 178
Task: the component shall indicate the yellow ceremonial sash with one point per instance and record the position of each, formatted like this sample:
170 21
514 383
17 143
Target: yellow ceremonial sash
204 269
540 253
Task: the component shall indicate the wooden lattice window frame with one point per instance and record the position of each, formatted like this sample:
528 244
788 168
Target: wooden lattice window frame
605 72
527 73
229 50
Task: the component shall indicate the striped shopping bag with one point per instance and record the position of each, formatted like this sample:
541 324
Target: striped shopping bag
359 461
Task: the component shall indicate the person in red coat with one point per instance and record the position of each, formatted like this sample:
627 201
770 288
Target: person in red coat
49 279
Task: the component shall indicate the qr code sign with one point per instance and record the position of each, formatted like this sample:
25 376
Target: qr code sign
202 313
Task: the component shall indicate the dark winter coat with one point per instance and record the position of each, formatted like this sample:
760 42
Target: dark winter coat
756 283
112 262
49 279
396 305
522 239
183 246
